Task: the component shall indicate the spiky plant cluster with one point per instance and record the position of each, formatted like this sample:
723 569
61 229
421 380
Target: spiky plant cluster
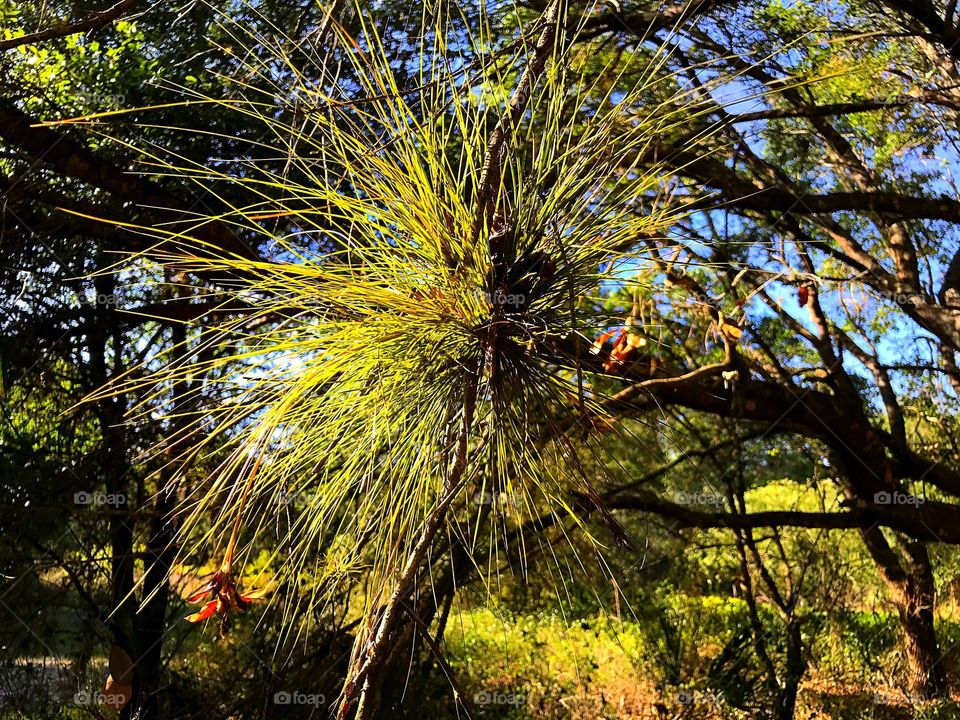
396 354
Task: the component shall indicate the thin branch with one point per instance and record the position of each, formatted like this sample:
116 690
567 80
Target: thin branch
95 21
496 154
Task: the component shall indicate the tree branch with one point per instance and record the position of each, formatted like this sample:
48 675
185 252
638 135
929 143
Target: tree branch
95 21
65 155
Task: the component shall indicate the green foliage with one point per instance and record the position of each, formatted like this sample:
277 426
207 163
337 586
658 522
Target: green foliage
396 306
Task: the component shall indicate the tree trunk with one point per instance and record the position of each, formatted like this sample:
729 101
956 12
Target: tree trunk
795 668
114 471
913 593
161 550
927 674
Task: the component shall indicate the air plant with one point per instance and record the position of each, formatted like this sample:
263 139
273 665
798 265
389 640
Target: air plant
438 240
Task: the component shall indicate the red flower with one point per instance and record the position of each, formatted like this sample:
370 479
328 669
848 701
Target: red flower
222 598
625 341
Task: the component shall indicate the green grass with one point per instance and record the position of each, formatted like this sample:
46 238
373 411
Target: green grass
539 665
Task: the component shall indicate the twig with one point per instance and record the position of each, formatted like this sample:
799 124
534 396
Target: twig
369 655
496 154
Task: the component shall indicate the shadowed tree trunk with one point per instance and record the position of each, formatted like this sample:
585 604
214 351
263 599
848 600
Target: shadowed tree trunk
115 468
912 592
161 548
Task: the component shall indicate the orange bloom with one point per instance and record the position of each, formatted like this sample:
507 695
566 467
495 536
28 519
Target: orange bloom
221 597
624 343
